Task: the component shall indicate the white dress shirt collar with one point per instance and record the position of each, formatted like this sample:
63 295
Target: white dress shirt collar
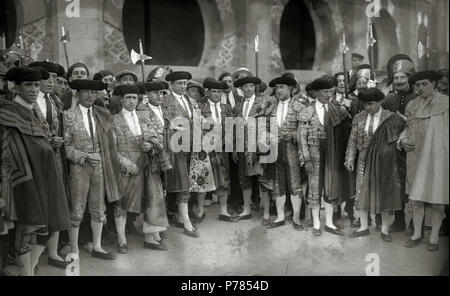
378 114
158 111
320 105
282 110
376 121
84 113
249 102
320 110
132 121
128 113
213 111
183 101
85 109
229 96
41 102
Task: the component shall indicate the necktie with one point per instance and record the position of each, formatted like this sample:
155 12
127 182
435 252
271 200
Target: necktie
283 114
91 129
371 123
48 115
134 127
231 99
216 113
161 118
186 107
247 104
280 119
325 115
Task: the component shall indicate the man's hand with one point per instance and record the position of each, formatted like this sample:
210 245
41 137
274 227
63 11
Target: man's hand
56 142
134 170
402 116
406 146
309 167
371 83
146 147
93 159
144 100
349 165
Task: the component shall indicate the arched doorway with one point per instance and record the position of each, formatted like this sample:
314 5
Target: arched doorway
172 31
297 36
8 21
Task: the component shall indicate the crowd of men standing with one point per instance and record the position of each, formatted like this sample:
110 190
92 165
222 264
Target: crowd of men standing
69 143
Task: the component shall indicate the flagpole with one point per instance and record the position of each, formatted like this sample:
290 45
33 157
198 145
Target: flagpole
371 49
141 51
22 47
257 60
65 47
257 55
140 57
427 54
344 58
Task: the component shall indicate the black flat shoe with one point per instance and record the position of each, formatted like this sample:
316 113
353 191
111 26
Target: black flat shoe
58 263
334 231
104 256
433 247
411 243
123 249
298 227
386 237
158 247
192 233
360 233
244 217
265 222
317 232
227 218
274 224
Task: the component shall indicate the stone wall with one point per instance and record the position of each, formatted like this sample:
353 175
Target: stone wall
230 27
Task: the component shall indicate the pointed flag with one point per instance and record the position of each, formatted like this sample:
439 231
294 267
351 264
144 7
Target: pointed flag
370 37
344 46
65 36
257 43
